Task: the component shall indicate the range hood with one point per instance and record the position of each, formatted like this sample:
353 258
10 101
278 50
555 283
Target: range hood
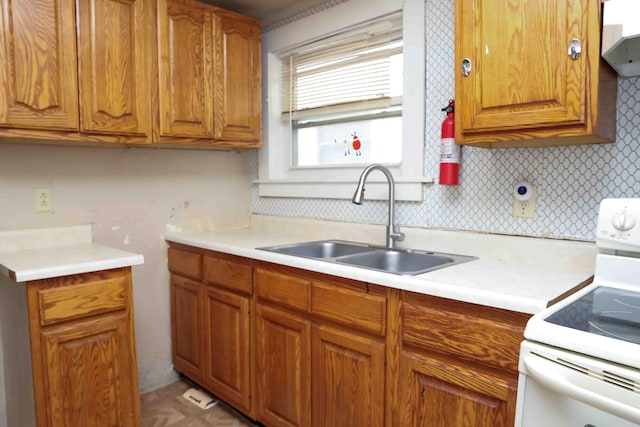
621 36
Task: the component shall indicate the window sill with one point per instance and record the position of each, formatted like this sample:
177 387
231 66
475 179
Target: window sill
405 189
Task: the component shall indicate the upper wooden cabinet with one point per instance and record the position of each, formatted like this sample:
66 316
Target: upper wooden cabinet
523 88
185 52
161 72
81 69
209 75
238 79
114 66
38 70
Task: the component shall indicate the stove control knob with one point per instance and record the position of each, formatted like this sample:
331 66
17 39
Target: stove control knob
624 221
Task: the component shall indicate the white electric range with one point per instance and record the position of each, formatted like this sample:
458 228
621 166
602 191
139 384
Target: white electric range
580 361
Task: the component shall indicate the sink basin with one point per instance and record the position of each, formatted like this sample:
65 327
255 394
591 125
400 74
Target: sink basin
401 262
322 249
396 261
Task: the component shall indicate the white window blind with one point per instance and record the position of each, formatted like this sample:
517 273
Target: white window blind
355 71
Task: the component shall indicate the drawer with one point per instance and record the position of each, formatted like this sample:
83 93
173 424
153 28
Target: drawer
283 289
229 274
185 263
349 307
73 301
481 334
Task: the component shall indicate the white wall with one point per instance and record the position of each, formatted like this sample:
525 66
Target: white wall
131 196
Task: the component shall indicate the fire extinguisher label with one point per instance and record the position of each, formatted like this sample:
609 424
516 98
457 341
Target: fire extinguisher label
449 151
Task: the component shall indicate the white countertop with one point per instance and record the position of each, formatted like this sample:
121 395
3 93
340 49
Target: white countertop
44 263
512 285
44 253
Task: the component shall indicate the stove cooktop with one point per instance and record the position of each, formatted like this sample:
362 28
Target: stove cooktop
605 311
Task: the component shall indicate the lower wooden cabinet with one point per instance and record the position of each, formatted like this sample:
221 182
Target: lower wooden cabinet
210 312
88 371
293 348
187 324
348 379
439 392
314 365
459 363
83 350
227 344
283 368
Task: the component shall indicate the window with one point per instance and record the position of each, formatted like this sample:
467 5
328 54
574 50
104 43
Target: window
345 88
342 97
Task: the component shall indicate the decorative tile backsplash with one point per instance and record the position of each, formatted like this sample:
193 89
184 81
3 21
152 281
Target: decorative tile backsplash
570 181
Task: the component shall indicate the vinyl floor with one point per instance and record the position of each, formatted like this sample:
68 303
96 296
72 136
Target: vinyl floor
165 407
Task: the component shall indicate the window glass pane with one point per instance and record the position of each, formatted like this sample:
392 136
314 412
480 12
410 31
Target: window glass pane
357 142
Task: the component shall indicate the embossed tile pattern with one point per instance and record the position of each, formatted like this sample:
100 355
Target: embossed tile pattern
166 407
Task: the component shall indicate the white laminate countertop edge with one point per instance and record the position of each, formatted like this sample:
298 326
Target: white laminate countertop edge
522 288
45 263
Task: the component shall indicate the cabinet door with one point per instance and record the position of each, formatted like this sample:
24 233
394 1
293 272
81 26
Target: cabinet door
227 366
185 55
348 379
521 75
91 375
283 356
38 70
186 319
113 62
438 392
238 89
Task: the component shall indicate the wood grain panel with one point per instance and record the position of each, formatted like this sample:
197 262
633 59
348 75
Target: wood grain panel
349 307
185 263
84 369
441 392
238 89
393 345
480 334
38 70
185 51
540 85
227 370
81 300
283 289
114 67
187 326
543 96
229 274
348 379
90 373
283 368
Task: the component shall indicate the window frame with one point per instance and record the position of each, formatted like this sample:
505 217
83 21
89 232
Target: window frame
277 177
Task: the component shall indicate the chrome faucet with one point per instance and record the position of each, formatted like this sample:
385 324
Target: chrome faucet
393 231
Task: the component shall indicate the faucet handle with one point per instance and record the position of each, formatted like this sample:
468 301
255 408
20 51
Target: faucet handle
397 236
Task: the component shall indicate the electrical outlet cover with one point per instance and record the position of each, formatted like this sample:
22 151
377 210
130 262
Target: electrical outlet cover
525 209
43 200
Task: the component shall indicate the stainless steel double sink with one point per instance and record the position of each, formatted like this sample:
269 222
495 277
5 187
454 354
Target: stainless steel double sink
397 261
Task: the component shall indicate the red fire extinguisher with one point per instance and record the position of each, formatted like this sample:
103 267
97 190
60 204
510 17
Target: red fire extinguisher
449 151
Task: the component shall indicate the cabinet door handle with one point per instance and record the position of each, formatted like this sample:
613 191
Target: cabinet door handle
466 67
575 49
